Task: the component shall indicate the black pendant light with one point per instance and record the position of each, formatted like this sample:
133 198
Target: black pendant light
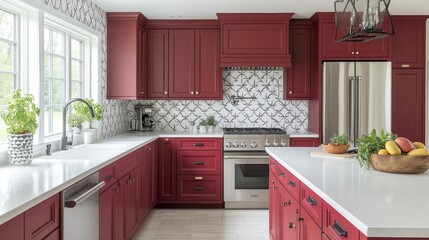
362 20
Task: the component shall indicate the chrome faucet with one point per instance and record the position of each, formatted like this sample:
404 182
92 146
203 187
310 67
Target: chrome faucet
64 136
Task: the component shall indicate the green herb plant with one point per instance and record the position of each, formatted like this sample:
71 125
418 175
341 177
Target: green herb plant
203 123
371 143
81 109
211 121
340 139
75 120
21 114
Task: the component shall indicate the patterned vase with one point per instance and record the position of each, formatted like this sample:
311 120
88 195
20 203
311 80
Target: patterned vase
20 148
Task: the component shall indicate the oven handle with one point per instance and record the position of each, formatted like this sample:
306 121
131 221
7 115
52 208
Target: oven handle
245 157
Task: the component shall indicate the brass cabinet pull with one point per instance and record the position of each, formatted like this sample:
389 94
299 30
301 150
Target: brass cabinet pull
405 65
197 92
165 92
198 178
192 92
141 93
353 53
357 53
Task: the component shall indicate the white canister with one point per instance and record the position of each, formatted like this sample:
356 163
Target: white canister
210 129
203 129
90 136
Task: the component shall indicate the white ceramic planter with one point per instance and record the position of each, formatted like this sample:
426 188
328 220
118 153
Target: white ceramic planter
20 148
203 129
90 135
210 129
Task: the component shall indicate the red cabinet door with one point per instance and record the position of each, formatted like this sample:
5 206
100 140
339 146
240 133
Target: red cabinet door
336 227
131 203
377 49
157 50
408 111
108 213
408 42
141 63
298 77
181 58
120 230
289 215
309 230
166 170
304 142
43 218
273 207
143 207
208 74
125 51
195 188
13 229
151 156
333 49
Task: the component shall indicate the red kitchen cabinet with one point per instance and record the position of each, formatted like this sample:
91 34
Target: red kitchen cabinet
199 188
147 183
408 43
131 203
43 218
184 64
298 77
312 203
289 216
13 229
181 63
331 48
152 180
208 74
166 170
109 175
126 56
336 227
158 63
304 142
309 230
274 207
121 209
108 205
199 162
408 108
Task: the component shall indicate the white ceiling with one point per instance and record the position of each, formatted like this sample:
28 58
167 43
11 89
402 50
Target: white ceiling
207 9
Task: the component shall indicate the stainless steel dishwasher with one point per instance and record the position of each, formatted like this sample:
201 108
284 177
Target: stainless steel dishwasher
81 209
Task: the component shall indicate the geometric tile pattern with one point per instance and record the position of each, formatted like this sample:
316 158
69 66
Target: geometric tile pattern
115 120
268 109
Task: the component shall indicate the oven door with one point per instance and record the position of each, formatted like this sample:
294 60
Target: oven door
246 180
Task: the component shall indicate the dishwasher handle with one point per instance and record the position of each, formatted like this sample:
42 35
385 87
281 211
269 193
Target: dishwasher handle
76 200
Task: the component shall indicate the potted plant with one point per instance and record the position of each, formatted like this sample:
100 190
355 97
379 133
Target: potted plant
203 126
90 134
339 144
20 116
75 122
211 124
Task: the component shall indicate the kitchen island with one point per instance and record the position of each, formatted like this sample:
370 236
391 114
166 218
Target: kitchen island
380 205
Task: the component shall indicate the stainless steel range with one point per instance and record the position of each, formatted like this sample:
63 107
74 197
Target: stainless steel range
246 165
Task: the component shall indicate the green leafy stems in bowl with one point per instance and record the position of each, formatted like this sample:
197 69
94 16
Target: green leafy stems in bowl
372 143
340 139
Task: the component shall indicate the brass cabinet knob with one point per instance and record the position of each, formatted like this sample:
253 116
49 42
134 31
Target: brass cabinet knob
165 92
141 93
166 139
197 92
290 92
192 92
405 65
357 53
353 53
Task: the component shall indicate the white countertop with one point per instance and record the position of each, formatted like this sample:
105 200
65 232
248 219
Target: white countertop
22 187
378 204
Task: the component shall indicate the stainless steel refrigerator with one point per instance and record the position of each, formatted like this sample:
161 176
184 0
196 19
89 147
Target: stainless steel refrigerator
356 98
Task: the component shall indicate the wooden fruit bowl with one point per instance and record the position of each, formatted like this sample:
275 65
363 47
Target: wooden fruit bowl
400 163
338 149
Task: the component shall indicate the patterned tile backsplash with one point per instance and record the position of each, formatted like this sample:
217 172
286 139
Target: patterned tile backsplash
267 109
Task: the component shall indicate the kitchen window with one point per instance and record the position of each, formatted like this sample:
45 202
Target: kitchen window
64 78
8 60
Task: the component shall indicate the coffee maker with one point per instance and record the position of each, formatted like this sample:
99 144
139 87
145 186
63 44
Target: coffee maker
143 118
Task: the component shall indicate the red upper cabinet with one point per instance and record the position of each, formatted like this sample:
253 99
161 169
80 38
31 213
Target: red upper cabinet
408 104
181 63
183 60
298 77
331 50
158 63
255 40
126 55
408 43
208 74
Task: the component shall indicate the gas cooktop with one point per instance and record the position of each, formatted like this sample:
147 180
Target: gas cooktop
249 131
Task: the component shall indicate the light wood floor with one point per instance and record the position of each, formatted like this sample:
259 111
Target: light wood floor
204 224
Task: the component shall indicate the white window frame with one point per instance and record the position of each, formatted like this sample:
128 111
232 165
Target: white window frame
69 33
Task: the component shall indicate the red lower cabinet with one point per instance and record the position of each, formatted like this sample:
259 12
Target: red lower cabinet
336 227
273 207
13 229
309 230
304 142
289 216
42 219
108 205
167 170
199 188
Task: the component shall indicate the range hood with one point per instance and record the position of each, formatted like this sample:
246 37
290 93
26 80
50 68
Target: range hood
255 39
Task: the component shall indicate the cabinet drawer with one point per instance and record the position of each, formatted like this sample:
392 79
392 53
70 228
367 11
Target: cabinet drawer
126 164
336 227
273 166
198 162
43 218
109 175
289 181
199 188
312 203
55 235
199 144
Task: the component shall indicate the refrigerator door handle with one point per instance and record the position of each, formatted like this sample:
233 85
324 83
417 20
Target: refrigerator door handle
351 111
357 111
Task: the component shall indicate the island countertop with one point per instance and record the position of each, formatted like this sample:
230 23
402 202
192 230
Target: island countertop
378 204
